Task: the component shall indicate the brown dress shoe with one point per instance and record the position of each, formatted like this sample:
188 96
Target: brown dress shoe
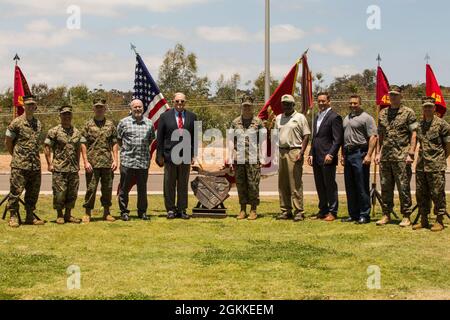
109 218
439 224
242 215
384 220
253 215
329 218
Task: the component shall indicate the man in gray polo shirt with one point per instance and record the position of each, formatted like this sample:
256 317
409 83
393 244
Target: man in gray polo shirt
360 138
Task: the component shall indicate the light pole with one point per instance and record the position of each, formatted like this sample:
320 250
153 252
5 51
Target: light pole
267 54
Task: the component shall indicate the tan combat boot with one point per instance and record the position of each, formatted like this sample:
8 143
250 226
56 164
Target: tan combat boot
384 220
253 215
69 218
405 222
87 217
107 215
439 224
30 219
242 215
13 221
423 224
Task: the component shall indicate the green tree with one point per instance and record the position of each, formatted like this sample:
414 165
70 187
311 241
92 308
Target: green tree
179 73
258 86
227 88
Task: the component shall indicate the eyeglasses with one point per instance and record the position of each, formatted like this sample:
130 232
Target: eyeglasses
180 101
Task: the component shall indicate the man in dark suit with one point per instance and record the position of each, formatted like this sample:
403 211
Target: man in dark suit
175 151
327 139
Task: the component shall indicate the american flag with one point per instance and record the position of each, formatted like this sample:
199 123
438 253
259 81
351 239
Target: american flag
146 90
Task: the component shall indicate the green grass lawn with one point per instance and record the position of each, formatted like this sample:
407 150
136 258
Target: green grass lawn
221 259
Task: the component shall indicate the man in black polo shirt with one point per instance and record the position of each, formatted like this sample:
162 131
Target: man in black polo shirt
360 138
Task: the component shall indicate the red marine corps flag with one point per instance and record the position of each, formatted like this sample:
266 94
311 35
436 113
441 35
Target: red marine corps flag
287 86
433 90
273 106
382 89
21 89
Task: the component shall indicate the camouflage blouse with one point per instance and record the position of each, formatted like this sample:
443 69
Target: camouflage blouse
66 144
25 134
246 140
432 137
99 141
395 127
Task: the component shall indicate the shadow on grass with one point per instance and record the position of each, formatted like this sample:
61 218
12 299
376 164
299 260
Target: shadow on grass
266 251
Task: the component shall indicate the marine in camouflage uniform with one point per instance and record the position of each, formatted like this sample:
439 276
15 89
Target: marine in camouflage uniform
65 142
23 136
99 150
246 163
396 129
433 135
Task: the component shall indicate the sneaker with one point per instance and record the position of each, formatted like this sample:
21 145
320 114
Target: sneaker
253 215
242 215
109 218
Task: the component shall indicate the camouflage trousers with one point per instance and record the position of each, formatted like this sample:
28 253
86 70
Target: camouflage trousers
396 173
105 176
290 183
20 180
65 189
247 183
430 186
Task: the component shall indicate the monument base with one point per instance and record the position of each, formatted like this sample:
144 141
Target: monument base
218 212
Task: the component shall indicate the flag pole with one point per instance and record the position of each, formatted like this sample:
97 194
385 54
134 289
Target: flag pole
16 59
374 192
267 54
133 48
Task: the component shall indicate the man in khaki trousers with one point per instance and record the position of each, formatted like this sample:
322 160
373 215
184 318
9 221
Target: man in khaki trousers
293 132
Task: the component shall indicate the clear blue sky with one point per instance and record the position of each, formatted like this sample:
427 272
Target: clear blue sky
227 37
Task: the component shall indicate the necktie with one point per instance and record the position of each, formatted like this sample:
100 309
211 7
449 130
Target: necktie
180 121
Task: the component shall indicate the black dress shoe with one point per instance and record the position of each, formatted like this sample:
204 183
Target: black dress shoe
349 219
171 215
144 217
363 220
125 217
184 216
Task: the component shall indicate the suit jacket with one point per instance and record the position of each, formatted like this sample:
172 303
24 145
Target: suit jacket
168 124
328 139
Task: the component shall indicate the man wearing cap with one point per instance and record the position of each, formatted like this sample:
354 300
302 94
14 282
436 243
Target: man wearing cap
135 134
395 154
360 139
433 135
22 142
64 141
245 130
99 150
323 156
293 132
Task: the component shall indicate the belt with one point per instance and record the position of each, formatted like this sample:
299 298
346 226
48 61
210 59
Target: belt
288 148
351 149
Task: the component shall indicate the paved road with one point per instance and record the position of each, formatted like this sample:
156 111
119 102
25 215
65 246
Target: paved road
155 182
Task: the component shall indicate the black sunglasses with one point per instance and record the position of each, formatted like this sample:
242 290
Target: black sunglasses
100 100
